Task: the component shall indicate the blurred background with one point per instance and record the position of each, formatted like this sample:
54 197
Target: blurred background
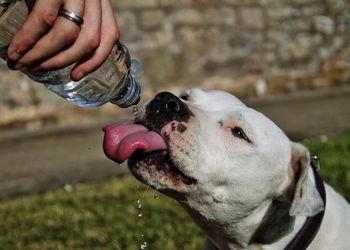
289 59
251 48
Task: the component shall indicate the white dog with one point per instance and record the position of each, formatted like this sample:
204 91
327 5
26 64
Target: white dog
234 171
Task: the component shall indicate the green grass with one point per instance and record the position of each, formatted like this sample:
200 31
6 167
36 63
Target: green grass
335 162
104 215
96 216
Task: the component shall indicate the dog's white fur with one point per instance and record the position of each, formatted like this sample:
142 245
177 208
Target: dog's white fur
243 184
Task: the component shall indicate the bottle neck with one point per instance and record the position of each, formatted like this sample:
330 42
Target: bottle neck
130 94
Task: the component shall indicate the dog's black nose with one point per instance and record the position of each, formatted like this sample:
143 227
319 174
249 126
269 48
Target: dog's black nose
166 107
169 102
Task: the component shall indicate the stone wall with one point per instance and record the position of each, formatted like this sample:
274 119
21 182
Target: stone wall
248 47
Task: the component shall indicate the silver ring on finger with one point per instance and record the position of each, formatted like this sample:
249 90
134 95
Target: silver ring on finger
71 16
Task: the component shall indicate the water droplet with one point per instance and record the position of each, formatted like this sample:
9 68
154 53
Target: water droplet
139 206
155 196
135 111
139 214
143 245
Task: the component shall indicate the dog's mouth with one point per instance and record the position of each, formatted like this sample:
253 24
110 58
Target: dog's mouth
147 153
157 165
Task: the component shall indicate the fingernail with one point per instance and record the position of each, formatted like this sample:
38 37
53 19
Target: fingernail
77 76
11 64
14 65
15 55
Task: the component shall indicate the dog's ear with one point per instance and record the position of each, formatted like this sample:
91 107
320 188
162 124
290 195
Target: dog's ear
306 200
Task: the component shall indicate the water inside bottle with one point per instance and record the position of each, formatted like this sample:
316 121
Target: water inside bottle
69 92
111 82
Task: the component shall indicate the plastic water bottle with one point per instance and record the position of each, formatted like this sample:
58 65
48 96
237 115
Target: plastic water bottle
111 82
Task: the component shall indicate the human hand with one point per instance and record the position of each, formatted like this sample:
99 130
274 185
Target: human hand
47 41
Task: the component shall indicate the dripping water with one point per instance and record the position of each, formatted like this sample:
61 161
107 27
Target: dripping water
155 195
135 110
139 206
136 70
143 244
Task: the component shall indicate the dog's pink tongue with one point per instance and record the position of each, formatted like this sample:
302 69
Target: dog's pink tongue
121 141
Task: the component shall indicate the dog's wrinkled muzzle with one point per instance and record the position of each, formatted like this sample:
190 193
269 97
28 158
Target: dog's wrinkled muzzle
122 140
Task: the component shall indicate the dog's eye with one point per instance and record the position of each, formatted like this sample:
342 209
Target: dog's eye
238 132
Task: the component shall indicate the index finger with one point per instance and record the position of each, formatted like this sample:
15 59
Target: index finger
41 19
